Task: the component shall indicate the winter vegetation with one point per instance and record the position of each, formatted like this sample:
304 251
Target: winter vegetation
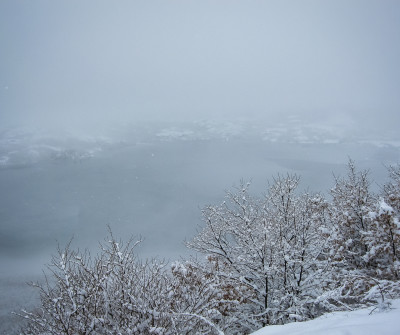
287 256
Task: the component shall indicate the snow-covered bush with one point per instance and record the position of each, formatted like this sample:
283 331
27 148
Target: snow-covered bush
201 301
271 249
116 293
365 237
391 189
352 201
383 241
113 293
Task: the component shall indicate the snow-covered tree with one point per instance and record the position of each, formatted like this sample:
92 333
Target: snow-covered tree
300 225
391 189
201 302
229 227
365 238
383 239
383 242
352 201
272 249
116 293
113 293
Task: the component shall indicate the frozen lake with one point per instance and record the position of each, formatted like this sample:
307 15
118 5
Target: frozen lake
150 183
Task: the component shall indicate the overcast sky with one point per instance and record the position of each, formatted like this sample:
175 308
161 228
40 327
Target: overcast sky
79 61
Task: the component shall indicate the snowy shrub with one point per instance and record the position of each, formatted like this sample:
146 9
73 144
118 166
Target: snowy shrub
365 237
113 293
116 293
352 201
383 242
391 189
271 249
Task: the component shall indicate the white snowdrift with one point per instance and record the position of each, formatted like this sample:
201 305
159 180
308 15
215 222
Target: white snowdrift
361 322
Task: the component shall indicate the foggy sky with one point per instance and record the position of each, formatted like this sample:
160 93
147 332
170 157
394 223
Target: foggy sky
88 62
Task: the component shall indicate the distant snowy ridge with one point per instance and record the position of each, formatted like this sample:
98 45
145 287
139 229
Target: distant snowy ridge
25 146
294 131
20 147
367 321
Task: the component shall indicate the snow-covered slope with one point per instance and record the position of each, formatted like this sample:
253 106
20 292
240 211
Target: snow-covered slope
368 321
24 146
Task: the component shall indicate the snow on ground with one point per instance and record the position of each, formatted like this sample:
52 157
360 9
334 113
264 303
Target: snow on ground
361 322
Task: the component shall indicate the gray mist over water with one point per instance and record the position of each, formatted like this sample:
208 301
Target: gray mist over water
93 63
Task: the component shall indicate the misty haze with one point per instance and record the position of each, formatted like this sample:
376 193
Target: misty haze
137 114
